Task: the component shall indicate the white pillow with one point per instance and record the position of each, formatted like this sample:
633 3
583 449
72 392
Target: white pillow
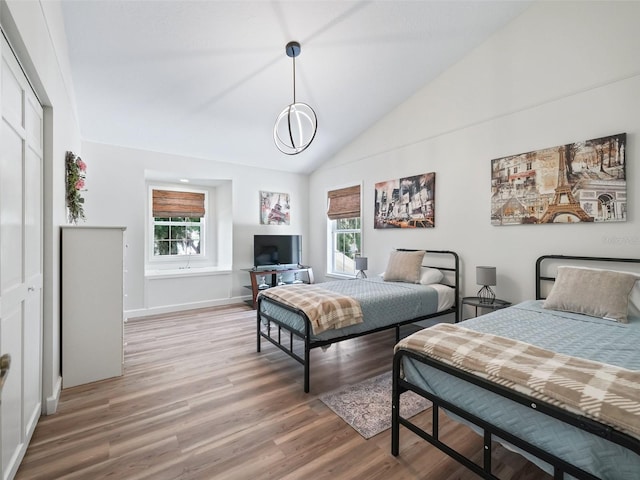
430 275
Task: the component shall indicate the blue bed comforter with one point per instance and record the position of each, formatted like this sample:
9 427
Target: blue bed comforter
383 303
572 334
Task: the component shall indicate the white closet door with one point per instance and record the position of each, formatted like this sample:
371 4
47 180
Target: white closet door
20 261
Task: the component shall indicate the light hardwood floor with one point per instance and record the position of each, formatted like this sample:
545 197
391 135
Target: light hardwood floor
198 402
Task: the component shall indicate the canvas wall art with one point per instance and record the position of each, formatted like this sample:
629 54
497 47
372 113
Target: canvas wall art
577 182
407 202
274 208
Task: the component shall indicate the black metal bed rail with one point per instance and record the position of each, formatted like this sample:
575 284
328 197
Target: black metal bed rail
540 278
559 465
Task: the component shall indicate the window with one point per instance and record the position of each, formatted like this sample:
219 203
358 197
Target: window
178 218
176 236
345 229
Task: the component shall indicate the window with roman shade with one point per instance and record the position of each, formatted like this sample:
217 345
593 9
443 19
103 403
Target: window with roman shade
345 228
178 222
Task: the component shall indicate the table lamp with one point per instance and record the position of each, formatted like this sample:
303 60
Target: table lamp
486 276
361 266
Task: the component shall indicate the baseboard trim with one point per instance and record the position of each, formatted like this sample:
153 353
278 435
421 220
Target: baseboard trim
51 403
143 312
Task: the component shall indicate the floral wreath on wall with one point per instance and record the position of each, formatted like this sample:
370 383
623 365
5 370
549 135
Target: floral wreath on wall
75 169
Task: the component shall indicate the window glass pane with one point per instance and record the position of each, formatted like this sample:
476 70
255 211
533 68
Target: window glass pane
347 243
341 224
193 232
193 240
178 231
177 236
161 232
161 248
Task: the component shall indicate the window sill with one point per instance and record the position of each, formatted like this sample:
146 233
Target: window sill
341 276
186 272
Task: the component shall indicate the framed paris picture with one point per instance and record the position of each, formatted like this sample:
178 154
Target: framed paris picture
577 182
407 202
274 208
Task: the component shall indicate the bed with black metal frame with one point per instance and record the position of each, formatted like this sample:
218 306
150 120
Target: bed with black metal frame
589 448
290 330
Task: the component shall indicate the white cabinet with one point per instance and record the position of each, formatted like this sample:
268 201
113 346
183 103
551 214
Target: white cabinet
92 303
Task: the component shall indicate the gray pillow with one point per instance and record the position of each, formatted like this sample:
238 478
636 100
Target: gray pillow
404 267
597 293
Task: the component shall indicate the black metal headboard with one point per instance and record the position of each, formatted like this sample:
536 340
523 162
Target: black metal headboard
452 265
540 278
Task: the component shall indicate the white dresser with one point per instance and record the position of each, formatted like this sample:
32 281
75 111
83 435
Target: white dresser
92 303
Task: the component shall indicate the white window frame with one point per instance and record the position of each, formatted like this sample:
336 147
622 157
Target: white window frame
332 236
184 260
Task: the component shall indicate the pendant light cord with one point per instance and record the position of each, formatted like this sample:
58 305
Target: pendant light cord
294 79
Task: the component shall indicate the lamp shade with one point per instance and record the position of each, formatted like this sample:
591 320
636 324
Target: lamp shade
361 263
486 275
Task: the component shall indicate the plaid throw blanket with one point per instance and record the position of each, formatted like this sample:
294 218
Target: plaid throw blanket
325 309
606 393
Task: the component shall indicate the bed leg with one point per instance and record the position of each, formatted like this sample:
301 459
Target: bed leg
258 346
307 359
487 451
395 411
397 333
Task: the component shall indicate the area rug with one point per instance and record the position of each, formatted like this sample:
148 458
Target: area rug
366 406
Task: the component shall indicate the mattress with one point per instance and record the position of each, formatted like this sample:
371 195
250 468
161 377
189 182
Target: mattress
383 304
572 334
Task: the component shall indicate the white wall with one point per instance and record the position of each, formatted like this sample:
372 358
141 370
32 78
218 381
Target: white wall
116 195
561 72
36 32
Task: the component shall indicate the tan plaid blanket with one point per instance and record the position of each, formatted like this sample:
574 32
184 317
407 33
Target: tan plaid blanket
326 309
606 393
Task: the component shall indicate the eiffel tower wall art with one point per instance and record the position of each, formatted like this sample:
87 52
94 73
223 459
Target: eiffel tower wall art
577 182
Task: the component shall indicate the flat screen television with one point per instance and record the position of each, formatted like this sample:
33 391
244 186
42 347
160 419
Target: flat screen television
277 250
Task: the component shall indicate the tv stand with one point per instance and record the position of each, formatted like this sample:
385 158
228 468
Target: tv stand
267 277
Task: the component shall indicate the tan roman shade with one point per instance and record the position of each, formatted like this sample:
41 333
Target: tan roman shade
344 203
168 203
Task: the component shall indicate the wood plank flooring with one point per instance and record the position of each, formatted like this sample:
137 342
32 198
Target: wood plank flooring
198 402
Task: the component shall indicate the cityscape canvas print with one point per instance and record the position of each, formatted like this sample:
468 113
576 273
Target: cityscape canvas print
577 182
274 208
407 202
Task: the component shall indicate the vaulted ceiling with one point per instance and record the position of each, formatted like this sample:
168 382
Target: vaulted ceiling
208 78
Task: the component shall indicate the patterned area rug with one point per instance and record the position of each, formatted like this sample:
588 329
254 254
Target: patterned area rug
366 406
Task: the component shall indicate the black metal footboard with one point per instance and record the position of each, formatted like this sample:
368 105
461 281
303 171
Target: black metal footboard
560 466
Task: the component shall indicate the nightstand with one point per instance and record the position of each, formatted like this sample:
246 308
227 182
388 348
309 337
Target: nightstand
497 304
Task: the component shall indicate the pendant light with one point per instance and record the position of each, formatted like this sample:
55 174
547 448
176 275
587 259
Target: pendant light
296 125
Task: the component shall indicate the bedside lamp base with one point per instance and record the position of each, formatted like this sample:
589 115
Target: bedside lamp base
486 295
